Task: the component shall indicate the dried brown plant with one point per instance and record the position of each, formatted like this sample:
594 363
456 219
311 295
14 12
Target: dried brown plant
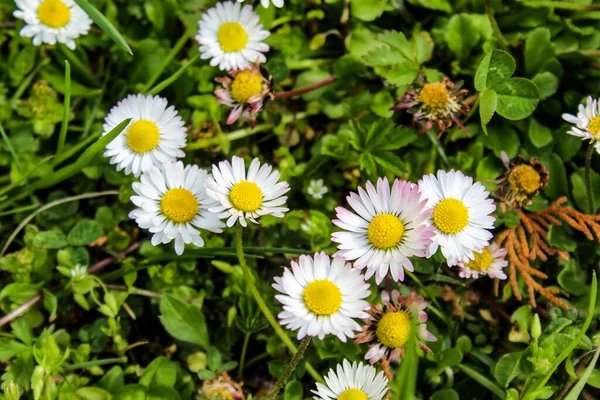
528 242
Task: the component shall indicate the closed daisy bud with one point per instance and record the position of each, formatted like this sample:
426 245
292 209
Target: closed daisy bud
322 296
487 262
231 36
52 21
352 382
172 204
155 135
245 92
246 195
390 327
461 214
435 103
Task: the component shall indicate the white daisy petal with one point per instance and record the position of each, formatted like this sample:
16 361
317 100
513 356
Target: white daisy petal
488 262
356 381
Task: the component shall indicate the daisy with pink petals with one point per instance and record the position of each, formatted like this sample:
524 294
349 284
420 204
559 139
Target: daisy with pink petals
389 329
385 229
245 92
487 262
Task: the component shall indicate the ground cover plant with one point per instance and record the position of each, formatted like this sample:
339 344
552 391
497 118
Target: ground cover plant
288 199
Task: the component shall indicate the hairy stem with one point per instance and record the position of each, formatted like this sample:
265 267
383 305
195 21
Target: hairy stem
261 303
497 32
310 88
290 368
243 356
588 177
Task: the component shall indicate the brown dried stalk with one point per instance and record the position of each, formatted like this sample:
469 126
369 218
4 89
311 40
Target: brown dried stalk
528 242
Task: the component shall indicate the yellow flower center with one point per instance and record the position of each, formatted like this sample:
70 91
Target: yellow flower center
143 136
434 95
393 329
353 394
524 178
385 231
322 297
232 37
450 216
179 205
482 261
245 85
594 127
54 13
246 196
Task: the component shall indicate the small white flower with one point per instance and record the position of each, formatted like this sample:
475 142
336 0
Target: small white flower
250 195
51 21
231 36
461 214
78 272
155 135
172 204
317 189
488 262
352 382
321 297
385 229
587 122
265 3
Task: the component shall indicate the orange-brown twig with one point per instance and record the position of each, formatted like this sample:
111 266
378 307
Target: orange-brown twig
528 242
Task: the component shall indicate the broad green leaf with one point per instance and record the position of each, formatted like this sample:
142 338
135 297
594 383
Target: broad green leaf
113 380
517 98
538 50
539 134
495 69
92 393
50 240
557 183
104 24
547 84
451 357
422 47
50 303
501 139
441 5
382 56
293 391
390 162
508 368
160 372
445 394
163 393
398 41
85 232
487 107
461 35
131 392
571 278
403 73
183 321
368 10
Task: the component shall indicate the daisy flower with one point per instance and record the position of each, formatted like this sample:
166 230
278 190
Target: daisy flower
385 229
437 103
317 189
352 382
231 36
461 214
173 205
321 297
521 182
155 135
487 262
245 92
51 21
244 195
587 122
265 3
388 329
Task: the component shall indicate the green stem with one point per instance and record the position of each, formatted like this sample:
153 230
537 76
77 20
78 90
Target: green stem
243 356
62 136
588 177
158 88
497 32
560 4
429 296
290 368
263 306
483 381
95 363
436 142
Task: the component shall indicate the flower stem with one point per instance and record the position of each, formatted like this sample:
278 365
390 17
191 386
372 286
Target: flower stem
263 306
588 177
243 356
290 368
298 92
490 13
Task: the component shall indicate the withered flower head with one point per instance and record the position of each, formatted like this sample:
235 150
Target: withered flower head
437 103
222 387
389 329
245 91
521 182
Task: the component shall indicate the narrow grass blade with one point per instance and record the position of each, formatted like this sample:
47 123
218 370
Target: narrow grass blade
158 88
13 153
575 393
104 24
62 137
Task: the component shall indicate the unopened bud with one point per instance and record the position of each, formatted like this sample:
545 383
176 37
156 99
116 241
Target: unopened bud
536 327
